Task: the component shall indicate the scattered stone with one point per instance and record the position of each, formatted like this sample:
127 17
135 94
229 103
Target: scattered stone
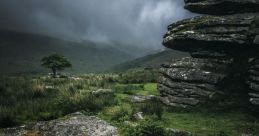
141 98
138 116
102 91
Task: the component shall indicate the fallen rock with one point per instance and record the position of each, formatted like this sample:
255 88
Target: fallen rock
75 124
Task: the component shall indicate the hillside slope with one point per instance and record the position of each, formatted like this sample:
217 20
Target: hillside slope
21 53
150 61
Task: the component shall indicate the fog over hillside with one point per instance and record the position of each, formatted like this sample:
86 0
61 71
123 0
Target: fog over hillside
132 23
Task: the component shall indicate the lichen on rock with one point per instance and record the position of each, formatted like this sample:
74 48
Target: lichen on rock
219 7
75 124
224 51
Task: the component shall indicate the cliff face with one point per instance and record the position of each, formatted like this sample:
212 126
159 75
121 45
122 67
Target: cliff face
224 50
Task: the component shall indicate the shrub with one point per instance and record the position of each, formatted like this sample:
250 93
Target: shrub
69 103
221 133
139 76
154 106
122 113
128 89
145 128
7 118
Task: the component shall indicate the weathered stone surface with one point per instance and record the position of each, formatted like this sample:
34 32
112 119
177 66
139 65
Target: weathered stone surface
141 98
253 82
217 7
214 34
138 116
190 82
75 124
254 101
226 45
256 40
102 91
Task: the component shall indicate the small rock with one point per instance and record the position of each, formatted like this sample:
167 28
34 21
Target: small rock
102 91
138 116
256 40
140 98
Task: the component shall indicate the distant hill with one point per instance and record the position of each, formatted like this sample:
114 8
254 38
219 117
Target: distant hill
22 52
150 61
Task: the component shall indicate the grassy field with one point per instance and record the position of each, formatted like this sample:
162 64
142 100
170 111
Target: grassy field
200 123
27 99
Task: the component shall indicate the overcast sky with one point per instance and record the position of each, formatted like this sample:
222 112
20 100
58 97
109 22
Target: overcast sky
129 22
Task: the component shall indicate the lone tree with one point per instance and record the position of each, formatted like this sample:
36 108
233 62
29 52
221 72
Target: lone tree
56 63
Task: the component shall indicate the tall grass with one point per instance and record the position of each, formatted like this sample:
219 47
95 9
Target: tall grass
25 99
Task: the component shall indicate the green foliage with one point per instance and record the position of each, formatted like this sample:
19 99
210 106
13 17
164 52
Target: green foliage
152 107
7 118
69 103
137 89
122 113
128 88
145 128
56 63
25 99
139 76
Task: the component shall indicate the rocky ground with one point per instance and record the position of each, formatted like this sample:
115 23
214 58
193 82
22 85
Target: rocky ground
75 124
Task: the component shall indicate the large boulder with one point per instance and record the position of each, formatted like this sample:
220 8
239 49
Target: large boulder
75 124
190 82
218 7
216 34
224 47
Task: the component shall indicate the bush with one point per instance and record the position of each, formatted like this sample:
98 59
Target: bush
122 113
221 133
7 120
139 76
145 128
128 89
69 103
153 107
25 99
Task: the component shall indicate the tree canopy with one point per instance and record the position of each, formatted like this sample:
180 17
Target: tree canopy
56 63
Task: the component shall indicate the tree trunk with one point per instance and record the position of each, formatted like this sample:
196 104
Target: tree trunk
54 71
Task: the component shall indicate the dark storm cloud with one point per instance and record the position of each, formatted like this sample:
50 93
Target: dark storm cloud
131 22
